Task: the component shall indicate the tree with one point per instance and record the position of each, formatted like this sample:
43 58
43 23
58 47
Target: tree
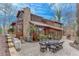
33 29
58 11
7 10
58 14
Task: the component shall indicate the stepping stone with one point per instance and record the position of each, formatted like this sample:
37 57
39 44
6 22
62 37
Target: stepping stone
10 45
9 40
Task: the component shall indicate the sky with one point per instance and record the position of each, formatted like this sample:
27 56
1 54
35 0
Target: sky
47 10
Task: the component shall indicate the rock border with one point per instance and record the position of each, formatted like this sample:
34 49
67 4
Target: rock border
11 46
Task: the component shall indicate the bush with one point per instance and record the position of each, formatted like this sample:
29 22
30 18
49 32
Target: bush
42 37
11 30
0 31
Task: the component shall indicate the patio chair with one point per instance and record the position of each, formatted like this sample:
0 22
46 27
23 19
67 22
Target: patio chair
43 47
59 45
52 48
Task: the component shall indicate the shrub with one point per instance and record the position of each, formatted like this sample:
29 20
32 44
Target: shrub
11 30
0 31
42 37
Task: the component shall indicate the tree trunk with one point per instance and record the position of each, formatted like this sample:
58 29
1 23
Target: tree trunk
77 33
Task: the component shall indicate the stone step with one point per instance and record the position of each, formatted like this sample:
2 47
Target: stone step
8 37
9 40
10 45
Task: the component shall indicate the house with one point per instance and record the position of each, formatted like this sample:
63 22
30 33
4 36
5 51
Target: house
25 19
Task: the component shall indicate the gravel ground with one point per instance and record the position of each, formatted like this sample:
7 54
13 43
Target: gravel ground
32 49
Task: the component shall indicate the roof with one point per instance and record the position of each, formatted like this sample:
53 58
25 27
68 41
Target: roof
47 20
45 25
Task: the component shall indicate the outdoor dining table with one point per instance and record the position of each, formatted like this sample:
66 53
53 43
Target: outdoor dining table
50 42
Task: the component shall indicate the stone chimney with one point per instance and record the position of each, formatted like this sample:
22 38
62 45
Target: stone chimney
26 24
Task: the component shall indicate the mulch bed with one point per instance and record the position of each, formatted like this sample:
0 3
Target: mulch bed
4 50
7 50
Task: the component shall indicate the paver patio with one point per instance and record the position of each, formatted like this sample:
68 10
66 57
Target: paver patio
32 49
3 46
